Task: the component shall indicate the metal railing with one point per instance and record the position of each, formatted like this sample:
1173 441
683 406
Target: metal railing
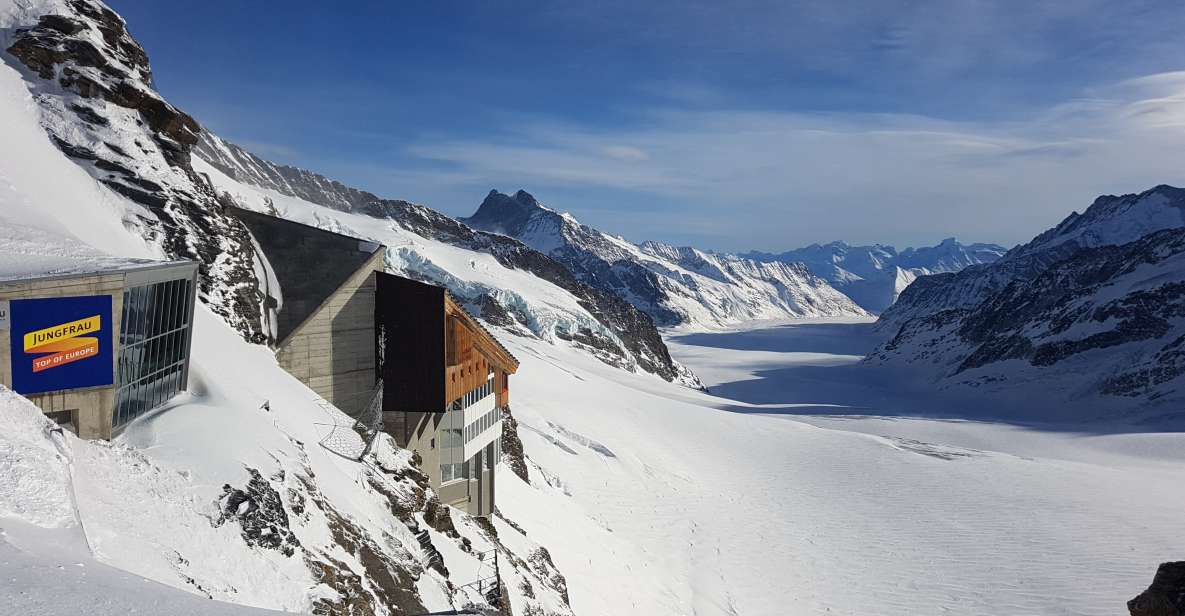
488 584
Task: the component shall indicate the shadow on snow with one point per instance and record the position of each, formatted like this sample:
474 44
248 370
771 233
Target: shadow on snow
811 384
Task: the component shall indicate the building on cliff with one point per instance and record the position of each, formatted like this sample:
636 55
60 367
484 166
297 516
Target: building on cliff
446 381
97 344
342 326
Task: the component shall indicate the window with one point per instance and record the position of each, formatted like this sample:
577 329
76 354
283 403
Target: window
452 445
153 347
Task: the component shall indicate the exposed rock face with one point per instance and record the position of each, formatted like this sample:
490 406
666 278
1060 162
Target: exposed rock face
93 84
1109 221
260 513
1071 313
248 168
1166 595
674 285
512 446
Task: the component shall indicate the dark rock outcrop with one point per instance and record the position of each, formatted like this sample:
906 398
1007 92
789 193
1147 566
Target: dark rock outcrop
1128 297
1109 221
512 446
260 513
88 73
1166 595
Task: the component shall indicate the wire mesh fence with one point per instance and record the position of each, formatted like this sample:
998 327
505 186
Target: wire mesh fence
352 436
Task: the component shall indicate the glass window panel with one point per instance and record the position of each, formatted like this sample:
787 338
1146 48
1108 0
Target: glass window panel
158 309
183 307
123 321
175 305
174 381
152 390
186 288
153 310
145 311
166 306
170 341
132 300
162 390
154 358
179 305
133 401
179 345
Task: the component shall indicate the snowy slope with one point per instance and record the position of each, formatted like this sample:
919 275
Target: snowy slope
1109 221
515 299
873 276
597 320
215 497
654 502
648 497
676 286
1093 307
92 86
1109 320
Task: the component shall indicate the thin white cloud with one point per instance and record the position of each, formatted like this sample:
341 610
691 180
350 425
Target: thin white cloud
800 177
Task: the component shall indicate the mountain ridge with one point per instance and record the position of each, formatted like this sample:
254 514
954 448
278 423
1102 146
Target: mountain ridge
874 275
1092 309
677 286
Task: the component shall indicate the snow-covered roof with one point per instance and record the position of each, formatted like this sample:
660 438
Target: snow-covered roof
41 267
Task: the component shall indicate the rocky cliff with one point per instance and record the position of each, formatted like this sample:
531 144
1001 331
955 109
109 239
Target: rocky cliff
93 85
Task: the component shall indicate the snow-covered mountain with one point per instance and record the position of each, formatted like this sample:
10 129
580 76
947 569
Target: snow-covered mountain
95 163
677 286
1095 305
597 321
1110 220
633 495
93 83
875 275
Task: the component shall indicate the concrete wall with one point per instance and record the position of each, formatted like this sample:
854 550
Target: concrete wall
91 407
333 351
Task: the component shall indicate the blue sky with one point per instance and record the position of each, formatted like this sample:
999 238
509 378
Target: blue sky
731 126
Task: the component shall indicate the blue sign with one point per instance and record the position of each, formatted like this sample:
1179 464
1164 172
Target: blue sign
61 343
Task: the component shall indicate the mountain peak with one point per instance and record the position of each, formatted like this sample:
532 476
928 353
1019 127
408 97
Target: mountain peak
526 198
503 213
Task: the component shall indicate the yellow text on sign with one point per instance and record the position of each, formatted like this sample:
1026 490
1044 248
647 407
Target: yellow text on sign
36 341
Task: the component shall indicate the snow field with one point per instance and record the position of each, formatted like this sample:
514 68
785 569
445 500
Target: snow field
734 513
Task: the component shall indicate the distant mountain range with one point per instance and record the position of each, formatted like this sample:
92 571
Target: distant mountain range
676 286
873 276
1093 305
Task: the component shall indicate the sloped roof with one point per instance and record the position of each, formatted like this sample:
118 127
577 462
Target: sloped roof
500 351
310 264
